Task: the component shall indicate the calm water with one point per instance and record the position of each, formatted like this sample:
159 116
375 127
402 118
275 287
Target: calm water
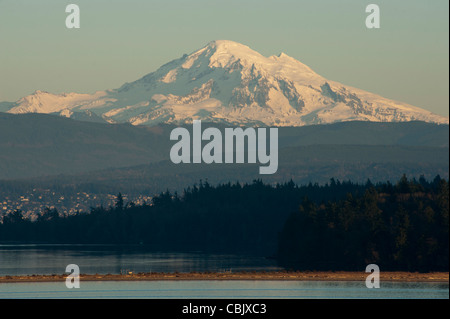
51 259
226 289
45 259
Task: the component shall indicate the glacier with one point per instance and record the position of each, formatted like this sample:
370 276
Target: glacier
227 82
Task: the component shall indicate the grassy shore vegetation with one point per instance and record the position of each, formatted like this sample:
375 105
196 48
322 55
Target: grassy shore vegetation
338 226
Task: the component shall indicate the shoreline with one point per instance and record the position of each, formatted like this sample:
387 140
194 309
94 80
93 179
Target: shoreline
399 276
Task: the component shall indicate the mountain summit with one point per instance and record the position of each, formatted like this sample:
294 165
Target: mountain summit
227 82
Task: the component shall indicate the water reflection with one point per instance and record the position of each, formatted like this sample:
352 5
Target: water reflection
102 259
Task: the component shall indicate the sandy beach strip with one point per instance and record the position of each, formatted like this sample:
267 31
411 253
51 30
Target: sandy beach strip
271 275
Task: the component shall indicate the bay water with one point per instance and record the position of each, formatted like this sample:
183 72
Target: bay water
92 259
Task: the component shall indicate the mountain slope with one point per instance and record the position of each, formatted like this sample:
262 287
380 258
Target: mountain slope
35 145
228 82
40 144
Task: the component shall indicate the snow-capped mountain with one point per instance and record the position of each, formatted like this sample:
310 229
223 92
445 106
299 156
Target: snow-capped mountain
227 82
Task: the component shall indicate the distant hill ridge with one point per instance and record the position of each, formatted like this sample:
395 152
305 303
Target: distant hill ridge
35 145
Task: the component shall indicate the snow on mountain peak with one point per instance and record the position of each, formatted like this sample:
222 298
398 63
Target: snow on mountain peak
226 81
225 53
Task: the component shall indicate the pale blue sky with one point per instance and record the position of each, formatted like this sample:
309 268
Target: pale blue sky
120 41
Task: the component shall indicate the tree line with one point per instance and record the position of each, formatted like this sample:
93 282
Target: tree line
336 226
398 228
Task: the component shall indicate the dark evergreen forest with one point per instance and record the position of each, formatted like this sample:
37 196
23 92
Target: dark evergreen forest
337 226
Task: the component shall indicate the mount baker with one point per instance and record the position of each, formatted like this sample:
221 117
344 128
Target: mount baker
226 82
